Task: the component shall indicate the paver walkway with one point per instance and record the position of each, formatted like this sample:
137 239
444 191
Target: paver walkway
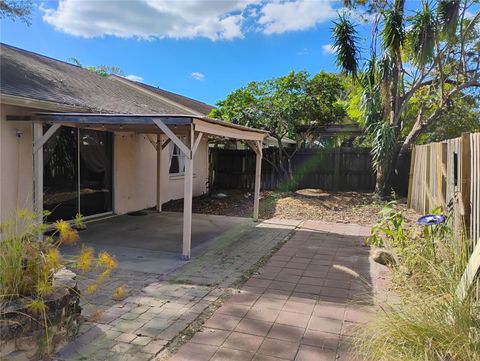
302 305
159 307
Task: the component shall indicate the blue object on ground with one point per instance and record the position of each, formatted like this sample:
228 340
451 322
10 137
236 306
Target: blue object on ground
431 219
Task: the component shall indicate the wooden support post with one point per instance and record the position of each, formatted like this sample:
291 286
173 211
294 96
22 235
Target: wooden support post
38 143
159 172
37 152
258 180
187 200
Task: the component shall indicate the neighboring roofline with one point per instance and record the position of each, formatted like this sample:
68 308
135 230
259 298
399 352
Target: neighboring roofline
285 140
38 103
152 93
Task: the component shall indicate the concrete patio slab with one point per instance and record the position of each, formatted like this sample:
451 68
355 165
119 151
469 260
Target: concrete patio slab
152 242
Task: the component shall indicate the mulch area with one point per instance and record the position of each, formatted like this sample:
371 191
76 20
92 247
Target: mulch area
306 204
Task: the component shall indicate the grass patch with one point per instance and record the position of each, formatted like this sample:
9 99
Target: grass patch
427 322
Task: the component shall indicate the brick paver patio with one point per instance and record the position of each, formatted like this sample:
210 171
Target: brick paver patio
159 307
302 305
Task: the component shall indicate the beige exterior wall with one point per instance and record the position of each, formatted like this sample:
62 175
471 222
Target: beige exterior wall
135 172
134 179
16 185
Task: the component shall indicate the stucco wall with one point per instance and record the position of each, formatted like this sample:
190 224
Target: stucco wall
135 172
16 185
134 169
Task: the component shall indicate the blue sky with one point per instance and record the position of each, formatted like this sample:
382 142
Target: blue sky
201 49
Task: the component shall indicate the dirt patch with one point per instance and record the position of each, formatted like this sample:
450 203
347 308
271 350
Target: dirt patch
305 204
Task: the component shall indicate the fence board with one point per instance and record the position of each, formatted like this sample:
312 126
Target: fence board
447 174
350 169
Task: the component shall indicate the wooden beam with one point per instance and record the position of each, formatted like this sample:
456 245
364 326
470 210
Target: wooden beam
227 132
152 142
165 143
196 144
185 150
112 119
255 146
38 143
187 203
38 136
159 172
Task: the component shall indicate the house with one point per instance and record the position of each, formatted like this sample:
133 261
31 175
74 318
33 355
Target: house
72 141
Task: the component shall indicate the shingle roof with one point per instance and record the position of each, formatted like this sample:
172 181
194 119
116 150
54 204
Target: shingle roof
193 104
33 76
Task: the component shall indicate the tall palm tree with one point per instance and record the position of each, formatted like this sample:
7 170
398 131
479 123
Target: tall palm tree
432 55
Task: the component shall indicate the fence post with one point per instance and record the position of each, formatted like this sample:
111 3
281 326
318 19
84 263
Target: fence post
336 169
427 182
465 180
410 179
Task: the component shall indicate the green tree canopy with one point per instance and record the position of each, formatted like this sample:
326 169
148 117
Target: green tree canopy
286 106
421 69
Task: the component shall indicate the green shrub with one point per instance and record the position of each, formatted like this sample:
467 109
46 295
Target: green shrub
29 260
427 322
390 229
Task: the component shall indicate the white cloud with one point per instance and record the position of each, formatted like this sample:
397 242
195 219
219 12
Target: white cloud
329 49
149 19
283 16
185 19
197 75
134 78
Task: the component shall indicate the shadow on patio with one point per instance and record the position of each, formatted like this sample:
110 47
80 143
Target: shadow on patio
151 241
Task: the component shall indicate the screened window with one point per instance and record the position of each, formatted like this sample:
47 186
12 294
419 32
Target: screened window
177 161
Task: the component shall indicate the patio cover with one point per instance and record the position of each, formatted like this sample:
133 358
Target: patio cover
193 128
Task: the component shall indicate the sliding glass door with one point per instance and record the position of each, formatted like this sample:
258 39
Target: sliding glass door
77 173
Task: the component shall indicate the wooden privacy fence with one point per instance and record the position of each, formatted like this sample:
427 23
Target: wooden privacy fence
342 169
447 174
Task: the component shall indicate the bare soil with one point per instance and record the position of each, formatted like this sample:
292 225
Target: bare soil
305 204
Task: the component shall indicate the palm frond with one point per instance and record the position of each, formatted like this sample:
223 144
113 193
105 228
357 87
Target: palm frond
448 15
371 101
385 73
383 144
393 33
345 41
423 35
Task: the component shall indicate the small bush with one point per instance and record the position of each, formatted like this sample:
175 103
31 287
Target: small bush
29 261
427 322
